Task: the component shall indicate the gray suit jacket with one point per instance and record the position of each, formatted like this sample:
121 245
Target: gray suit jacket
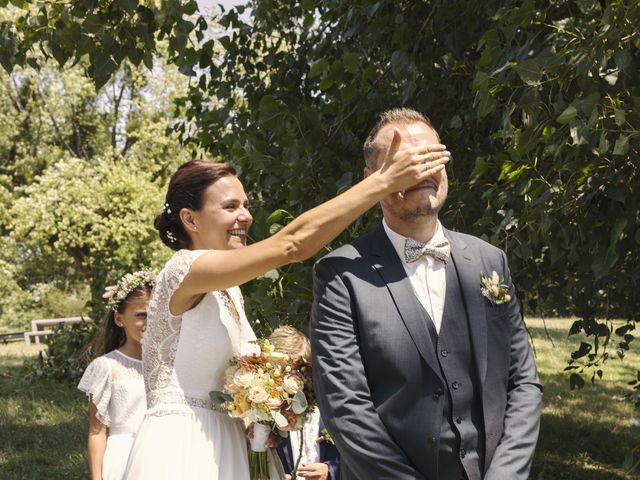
375 369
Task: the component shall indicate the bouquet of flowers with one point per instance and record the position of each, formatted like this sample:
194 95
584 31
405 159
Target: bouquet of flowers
270 389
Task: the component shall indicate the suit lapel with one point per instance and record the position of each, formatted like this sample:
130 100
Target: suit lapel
468 270
386 262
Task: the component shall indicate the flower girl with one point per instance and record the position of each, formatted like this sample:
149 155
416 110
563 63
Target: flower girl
113 382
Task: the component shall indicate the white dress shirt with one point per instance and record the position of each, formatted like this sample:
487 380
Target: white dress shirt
427 275
311 447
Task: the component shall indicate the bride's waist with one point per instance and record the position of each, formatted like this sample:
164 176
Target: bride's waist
168 400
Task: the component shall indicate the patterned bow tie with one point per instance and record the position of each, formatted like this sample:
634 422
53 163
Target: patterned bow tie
413 250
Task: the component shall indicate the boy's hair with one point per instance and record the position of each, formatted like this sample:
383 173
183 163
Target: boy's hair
290 340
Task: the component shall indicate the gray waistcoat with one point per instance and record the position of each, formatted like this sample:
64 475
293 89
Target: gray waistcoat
461 446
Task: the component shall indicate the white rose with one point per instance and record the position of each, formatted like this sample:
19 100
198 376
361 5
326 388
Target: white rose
243 380
292 384
258 395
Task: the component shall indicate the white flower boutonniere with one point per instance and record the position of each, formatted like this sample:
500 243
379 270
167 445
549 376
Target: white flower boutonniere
494 288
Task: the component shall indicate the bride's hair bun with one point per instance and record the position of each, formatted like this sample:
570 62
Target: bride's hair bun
186 190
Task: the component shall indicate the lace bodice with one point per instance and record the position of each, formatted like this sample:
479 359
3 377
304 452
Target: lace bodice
114 384
185 356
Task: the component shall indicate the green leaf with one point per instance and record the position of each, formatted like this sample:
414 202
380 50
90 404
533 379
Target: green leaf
275 227
485 103
603 263
576 381
127 5
567 115
189 8
326 83
318 67
603 147
584 349
481 167
620 117
618 227
278 215
268 106
336 71
308 5
399 63
621 146
351 62
579 133
623 58
104 66
529 71
480 81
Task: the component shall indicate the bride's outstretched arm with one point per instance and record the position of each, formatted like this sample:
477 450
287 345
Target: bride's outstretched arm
308 233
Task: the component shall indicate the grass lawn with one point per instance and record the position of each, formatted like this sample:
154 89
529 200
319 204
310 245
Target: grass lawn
585 434
42 423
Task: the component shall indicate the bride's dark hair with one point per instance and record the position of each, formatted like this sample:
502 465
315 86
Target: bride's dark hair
186 189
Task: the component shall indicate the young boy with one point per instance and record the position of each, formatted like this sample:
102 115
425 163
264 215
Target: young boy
320 458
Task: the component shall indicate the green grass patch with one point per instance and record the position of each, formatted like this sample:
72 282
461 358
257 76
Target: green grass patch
585 434
42 422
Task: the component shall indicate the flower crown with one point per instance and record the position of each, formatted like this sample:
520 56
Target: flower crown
116 294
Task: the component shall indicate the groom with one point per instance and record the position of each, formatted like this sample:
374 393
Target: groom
420 372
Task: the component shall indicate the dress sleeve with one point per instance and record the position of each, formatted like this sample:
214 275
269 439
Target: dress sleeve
96 382
177 268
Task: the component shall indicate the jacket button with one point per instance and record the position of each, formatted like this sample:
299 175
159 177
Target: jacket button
463 453
444 352
455 385
433 442
459 420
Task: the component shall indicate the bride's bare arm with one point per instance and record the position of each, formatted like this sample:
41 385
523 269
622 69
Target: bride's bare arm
308 233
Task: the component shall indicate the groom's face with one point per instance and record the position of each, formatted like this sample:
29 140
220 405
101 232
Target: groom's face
426 198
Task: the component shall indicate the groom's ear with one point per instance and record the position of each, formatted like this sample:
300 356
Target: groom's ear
367 172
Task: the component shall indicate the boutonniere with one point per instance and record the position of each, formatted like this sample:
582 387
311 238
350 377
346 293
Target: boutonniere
494 288
325 436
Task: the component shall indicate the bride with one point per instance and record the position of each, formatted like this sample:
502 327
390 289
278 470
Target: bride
196 320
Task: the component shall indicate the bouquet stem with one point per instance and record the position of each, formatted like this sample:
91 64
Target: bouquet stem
295 469
258 465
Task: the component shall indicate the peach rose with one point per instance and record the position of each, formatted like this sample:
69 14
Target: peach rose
274 402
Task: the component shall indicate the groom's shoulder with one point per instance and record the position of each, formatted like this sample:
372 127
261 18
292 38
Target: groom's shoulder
350 251
475 244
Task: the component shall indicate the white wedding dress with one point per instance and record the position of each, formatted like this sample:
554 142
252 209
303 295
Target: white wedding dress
114 384
183 435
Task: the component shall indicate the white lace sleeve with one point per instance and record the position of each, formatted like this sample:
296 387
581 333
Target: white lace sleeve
177 268
96 383
160 339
